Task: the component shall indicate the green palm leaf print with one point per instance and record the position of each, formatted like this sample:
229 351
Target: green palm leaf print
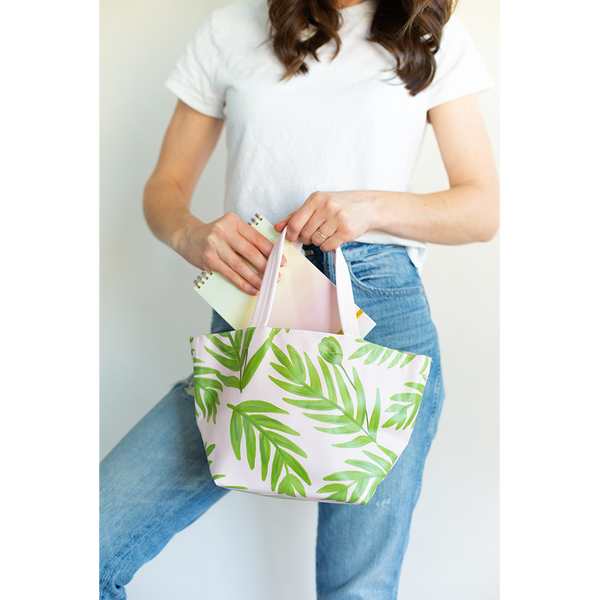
374 351
209 450
234 355
343 408
208 382
205 390
305 383
249 420
348 403
364 481
406 403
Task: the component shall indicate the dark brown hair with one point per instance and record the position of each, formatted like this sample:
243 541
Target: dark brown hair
410 30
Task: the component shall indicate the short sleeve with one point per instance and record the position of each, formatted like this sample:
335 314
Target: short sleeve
460 68
193 77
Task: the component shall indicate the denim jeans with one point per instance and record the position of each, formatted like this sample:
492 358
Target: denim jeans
156 481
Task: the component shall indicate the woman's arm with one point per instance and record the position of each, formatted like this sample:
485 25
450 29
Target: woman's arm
467 212
188 145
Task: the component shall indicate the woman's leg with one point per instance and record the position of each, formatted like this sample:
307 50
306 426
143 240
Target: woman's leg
360 548
153 484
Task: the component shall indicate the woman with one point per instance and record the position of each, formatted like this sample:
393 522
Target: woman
326 106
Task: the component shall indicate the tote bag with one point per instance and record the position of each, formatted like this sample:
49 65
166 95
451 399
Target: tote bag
304 414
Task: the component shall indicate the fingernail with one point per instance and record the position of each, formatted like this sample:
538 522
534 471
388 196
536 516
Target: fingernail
253 291
279 278
283 261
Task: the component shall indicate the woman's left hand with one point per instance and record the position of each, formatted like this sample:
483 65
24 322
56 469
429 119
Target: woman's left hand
338 216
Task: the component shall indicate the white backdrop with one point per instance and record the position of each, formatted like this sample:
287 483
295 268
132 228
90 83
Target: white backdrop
149 309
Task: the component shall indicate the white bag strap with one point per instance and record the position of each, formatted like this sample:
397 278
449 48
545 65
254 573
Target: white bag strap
345 297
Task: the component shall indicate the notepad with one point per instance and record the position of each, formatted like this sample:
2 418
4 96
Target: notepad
304 299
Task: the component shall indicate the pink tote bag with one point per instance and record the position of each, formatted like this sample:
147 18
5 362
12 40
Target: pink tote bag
304 414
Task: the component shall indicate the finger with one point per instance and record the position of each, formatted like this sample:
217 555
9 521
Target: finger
249 252
236 270
235 278
254 247
332 243
318 239
238 264
298 221
279 227
309 234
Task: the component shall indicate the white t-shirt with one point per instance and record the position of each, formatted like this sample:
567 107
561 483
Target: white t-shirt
339 127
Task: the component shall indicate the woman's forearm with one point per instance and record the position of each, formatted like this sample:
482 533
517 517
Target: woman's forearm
467 212
167 211
463 214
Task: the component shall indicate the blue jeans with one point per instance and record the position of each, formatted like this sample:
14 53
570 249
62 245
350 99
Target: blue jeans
156 481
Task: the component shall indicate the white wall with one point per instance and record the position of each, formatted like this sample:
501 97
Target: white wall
149 309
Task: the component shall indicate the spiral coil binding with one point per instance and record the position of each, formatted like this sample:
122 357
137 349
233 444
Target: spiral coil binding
255 220
205 275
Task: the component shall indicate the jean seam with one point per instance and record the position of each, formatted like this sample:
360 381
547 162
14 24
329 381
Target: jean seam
118 558
436 401
419 486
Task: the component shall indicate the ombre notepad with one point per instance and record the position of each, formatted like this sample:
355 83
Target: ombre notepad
305 298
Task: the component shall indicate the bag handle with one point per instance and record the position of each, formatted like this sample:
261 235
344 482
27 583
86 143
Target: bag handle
345 297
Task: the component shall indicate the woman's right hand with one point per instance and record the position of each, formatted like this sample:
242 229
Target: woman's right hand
221 246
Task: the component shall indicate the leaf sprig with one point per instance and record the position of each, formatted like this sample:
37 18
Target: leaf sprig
234 356
406 401
305 382
249 420
364 482
205 390
209 450
374 351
